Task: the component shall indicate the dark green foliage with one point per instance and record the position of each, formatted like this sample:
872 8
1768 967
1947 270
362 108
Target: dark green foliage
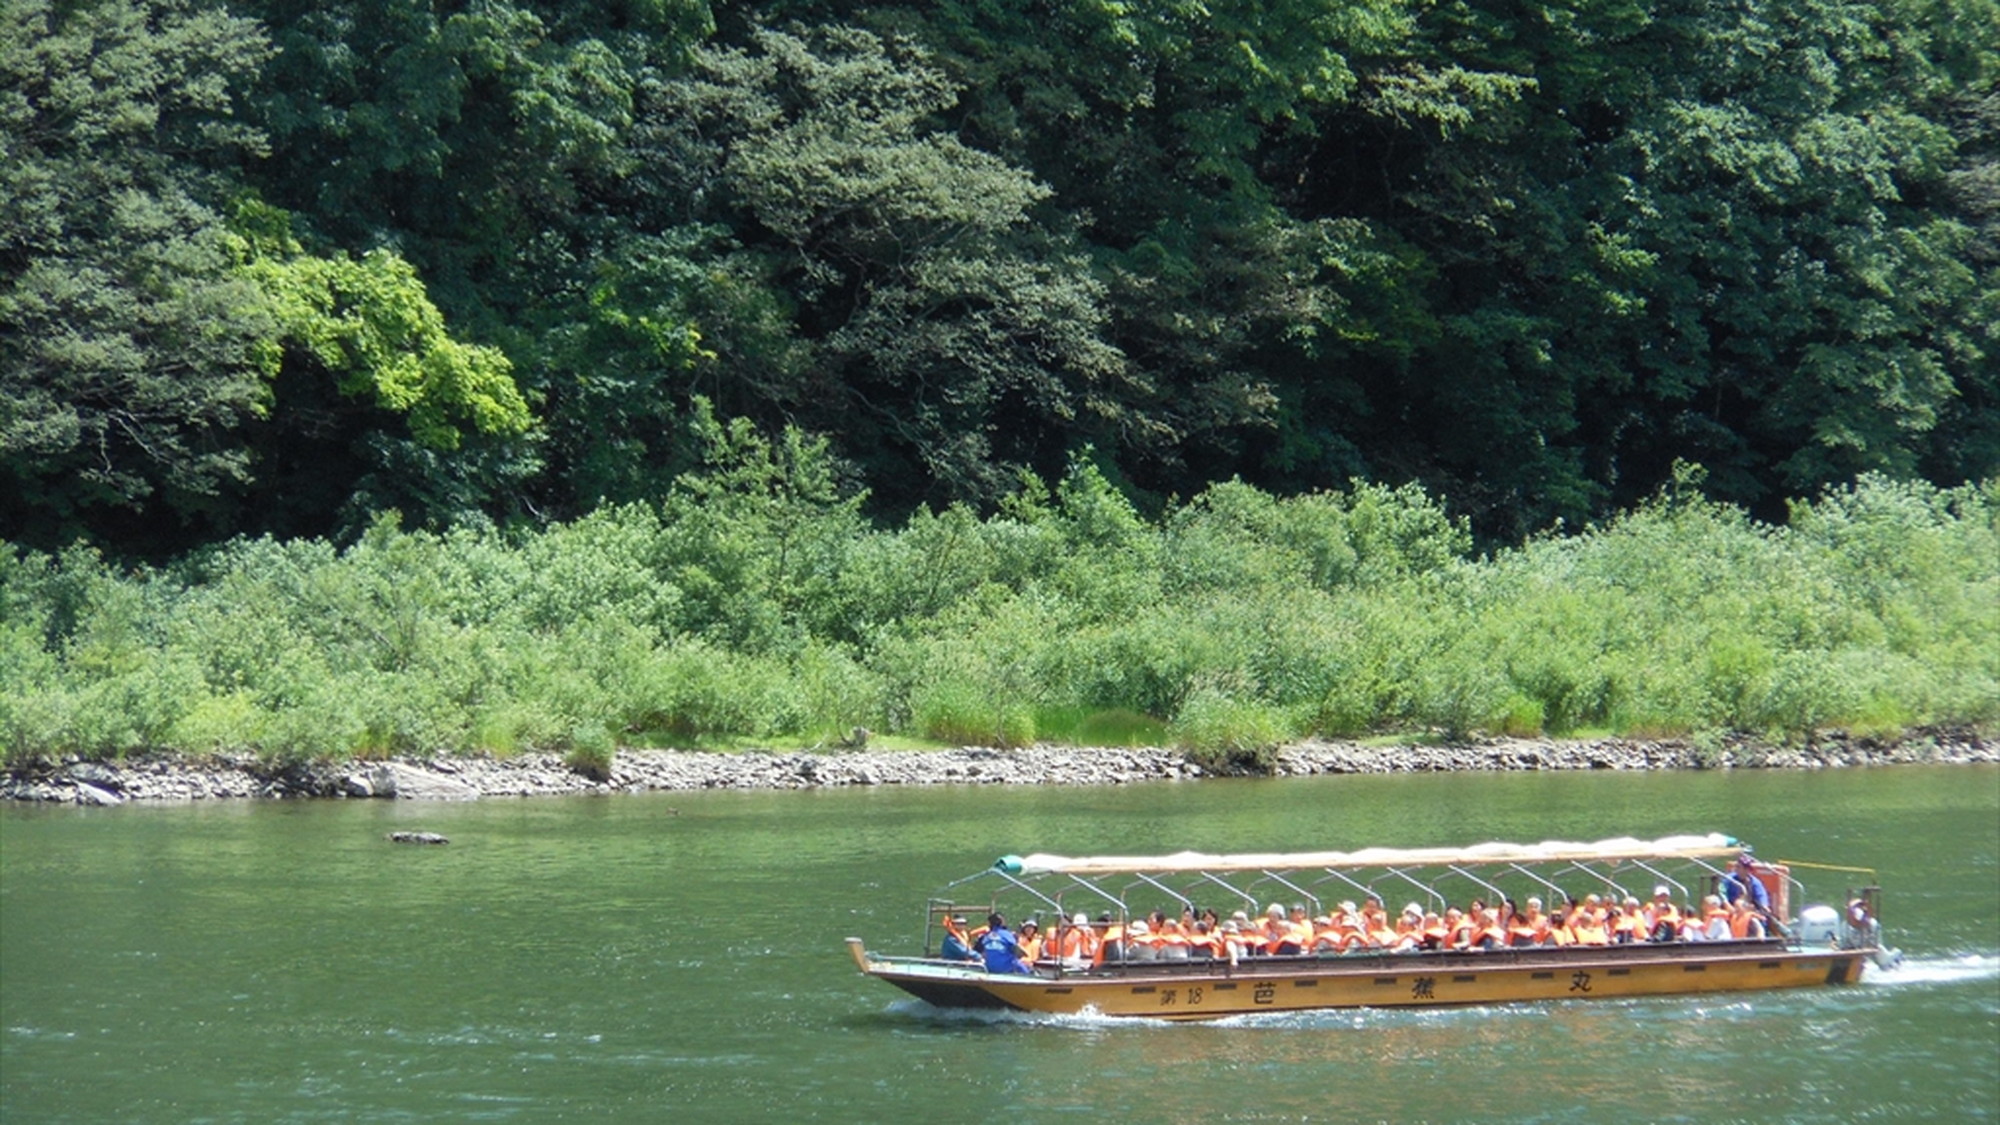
275 267
128 340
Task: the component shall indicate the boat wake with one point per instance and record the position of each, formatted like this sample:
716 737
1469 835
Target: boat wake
1088 1018
1936 970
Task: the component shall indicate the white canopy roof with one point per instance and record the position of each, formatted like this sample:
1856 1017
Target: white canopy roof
1710 846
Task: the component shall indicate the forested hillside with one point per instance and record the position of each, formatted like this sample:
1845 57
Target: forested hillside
271 267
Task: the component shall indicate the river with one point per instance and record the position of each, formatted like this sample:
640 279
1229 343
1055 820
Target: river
677 957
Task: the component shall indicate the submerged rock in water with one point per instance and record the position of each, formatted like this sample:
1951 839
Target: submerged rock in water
417 838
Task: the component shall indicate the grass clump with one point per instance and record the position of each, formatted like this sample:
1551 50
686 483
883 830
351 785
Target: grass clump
1224 734
592 751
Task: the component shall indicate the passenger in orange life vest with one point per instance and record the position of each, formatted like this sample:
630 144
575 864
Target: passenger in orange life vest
1689 926
1172 941
1458 928
957 945
1204 944
1630 925
1299 928
1111 944
1381 935
1587 928
1351 924
1538 922
1489 934
1286 935
1374 917
1140 942
1594 906
1744 921
1076 943
1272 926
1409 930
1663 922
1435 932
1239 942
1520 935
1030 941
1560 933
1714 919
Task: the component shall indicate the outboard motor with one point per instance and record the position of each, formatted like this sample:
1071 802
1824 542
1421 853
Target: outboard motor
1818 927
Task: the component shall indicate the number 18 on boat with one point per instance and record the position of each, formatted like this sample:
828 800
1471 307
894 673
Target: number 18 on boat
1199 936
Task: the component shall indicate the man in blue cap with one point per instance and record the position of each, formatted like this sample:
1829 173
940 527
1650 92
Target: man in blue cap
1742 881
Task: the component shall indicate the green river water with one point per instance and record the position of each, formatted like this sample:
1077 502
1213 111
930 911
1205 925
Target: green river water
677 957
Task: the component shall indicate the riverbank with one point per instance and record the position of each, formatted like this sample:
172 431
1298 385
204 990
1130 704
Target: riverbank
181 778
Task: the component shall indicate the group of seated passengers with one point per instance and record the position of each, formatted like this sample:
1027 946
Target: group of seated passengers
1203 936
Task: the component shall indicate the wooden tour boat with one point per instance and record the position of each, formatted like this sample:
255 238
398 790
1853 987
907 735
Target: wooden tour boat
1819 945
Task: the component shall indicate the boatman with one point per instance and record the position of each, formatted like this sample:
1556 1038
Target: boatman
1743 881
999 949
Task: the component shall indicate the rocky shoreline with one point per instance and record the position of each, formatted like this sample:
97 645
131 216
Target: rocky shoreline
173 777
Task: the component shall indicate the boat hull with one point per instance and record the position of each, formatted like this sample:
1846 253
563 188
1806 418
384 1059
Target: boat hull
1182 991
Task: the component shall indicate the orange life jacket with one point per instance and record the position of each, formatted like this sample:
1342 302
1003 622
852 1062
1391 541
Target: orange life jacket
1590 931
1112 934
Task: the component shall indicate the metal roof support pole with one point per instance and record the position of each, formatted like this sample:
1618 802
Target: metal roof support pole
1367 891
1248 900
1595 874
1431 893
1054 904
1553 889
1103 894
1497 893
1302 892
1179 897
1662 876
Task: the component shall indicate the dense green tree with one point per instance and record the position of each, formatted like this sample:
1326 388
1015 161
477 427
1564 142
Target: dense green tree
948 335
129 344
1529 253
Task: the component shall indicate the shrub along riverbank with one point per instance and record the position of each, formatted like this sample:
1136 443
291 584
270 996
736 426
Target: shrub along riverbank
754 604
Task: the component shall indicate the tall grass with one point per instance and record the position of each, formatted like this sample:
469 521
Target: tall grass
751 609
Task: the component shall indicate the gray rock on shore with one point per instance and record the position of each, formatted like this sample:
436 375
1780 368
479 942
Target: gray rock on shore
168 777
